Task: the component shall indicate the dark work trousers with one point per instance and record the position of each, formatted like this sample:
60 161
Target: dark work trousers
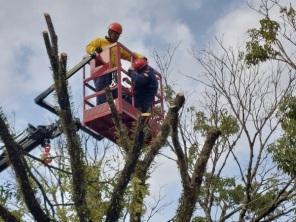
101 83
143 104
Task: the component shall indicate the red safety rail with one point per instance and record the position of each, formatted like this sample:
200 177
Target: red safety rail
98 117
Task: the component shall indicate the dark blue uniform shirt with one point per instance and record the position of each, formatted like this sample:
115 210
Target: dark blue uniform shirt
145 86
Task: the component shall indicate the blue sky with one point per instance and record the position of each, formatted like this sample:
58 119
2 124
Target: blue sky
147 25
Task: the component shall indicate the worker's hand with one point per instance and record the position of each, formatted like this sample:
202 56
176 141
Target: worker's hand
99 50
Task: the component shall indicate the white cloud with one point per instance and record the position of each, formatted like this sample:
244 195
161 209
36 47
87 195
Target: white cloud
77 22
233 27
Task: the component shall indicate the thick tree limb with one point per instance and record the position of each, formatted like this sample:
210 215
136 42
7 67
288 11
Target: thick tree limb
18 163
190 195
202 160
153 150
53 36
68 124
120 128
115 206
164 132
183 166
144 165
138 197
6 215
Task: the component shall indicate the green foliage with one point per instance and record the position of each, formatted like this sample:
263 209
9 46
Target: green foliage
260 47
168 93
225 189
289 12
287 115
228 124
261 201
199 219
95 192
6 192
202 124
236 194
268 30
138 192
223 120
284 154
192 154
284 149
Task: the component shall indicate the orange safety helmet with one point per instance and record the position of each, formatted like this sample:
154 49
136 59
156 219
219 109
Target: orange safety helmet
139 63
116 27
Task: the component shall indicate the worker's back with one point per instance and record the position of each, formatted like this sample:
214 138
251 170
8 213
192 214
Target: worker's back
146 86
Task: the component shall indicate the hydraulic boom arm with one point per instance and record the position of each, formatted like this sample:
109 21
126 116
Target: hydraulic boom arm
30 138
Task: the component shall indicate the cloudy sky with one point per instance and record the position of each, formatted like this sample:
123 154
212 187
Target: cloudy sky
147 25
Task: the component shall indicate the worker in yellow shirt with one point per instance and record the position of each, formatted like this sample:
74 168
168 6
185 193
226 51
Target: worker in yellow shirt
96 45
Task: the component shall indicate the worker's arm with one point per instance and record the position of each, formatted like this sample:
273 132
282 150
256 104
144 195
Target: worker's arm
127 56
94 45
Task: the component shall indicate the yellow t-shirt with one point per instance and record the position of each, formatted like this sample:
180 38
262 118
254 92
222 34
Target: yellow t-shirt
103 42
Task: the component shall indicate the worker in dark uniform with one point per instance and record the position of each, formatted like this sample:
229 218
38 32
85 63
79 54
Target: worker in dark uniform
97 45
145 84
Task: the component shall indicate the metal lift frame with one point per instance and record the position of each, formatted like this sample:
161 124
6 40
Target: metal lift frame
32 136
40 99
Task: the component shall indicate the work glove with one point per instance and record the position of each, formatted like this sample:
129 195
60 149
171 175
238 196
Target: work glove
99 50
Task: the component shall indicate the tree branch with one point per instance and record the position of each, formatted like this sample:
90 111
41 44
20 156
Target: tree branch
115 206
68 123
18 163
282 196
120 128
7 215
144 165
183 166
190 195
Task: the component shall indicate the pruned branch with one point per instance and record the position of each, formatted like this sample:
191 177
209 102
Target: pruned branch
164 132
144 165
182 163
115 205
68 124
191 193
